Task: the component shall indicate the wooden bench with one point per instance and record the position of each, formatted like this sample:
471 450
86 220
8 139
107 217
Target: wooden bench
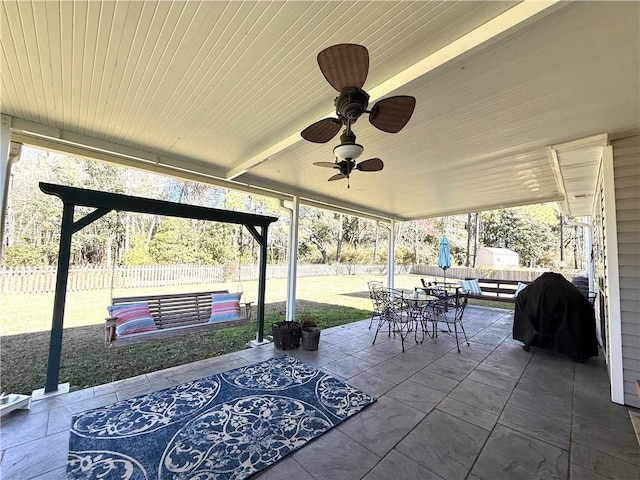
496 290
174 315
493 290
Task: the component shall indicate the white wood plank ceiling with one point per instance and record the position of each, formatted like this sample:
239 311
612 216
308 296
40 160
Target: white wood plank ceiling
219 91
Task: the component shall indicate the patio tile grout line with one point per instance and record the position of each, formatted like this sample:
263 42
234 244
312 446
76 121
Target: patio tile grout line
451 349
573 393
435 407
497 420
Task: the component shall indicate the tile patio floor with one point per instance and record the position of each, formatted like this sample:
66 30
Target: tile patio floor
490 412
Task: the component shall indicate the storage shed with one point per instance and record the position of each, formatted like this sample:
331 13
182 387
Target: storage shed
497 257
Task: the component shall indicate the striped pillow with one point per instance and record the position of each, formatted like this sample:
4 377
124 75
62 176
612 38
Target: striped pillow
225 306
474 287
464 285
521 286
132 318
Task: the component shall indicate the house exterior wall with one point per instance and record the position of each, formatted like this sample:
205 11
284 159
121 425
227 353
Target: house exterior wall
626 164
616 251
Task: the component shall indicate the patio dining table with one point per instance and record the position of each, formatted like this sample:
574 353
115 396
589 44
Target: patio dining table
419 307
402 310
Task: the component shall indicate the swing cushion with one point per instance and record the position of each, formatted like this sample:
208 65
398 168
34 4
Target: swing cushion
132 318
224 307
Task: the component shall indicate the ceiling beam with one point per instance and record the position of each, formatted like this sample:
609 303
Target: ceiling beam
67 138
484 207
68 143
520 16
316 200
557 174
595 141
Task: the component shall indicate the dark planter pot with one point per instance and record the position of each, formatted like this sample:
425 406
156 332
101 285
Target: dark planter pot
286 335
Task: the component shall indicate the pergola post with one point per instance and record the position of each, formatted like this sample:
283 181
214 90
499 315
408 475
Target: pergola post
59 300
68 228
261 238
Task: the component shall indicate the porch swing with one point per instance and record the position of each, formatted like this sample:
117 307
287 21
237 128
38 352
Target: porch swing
103 203
140 318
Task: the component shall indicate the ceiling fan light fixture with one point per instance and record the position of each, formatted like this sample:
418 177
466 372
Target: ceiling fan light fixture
348 151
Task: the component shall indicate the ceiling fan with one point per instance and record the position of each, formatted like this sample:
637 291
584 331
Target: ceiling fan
345 67
346 153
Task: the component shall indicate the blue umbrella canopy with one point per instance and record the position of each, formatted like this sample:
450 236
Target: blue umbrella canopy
444 254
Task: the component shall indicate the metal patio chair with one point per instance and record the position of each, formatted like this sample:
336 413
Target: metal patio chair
374 285
448 310
395 312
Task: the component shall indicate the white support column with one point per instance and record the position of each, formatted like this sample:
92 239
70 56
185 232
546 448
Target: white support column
292 258
613 278
391 254
588 246
6 157
588 249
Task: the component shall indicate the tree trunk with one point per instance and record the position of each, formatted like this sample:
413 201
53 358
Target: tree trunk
575 247
375 244
339 247
150 233
561 238
127 234
469 232
476 238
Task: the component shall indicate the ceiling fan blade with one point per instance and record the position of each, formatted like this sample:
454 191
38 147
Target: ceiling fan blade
370 165
392 114
344 65
322 131
327 164
337 176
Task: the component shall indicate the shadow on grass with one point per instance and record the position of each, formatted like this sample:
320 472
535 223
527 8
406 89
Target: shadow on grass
491 303
362 294
86 361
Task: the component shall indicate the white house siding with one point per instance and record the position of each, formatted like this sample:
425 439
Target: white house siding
626 156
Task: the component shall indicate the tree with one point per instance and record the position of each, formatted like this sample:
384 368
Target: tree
518 230
420 238
318 228
179 240
33 225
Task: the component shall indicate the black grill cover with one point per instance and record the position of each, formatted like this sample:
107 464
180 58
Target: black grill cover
551 313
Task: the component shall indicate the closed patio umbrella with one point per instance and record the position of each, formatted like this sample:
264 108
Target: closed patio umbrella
444 256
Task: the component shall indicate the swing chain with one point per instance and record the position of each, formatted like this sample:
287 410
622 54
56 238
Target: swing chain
239 286
114 259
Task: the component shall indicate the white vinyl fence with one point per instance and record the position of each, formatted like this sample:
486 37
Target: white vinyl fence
43 279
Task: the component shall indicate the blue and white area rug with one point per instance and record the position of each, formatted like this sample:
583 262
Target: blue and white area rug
226 426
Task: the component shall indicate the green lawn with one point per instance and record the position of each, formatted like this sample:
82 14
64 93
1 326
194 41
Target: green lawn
26 321
32 312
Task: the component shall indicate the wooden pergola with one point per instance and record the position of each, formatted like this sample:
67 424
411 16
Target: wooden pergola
104 202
